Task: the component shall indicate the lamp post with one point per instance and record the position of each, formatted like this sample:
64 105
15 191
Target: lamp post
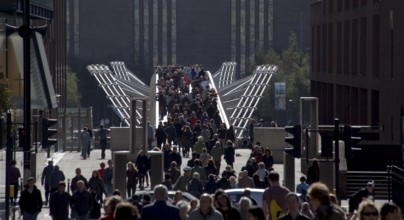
25 32
290 101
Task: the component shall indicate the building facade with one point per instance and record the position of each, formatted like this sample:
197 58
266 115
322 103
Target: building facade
356 49
291 16
50 13
163 32
147 33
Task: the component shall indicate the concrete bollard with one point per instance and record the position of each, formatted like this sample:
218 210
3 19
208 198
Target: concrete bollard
120 159
156 168
289 171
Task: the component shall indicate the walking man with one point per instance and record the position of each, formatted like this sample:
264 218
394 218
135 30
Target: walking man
30 201
59 203
108 174
102 135
81 203
14 178
85 142
76 179
46 179
160 209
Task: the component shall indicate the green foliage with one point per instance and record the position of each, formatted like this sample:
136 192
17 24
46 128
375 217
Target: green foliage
294 70
73 95
5 104
5 97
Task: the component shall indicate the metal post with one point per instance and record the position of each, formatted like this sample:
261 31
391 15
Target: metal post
36 136
389 182
27 91
336 138
8 163
307 145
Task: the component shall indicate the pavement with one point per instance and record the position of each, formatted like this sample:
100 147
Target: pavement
69 161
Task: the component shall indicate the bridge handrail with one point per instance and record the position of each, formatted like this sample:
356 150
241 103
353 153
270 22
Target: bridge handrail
220 107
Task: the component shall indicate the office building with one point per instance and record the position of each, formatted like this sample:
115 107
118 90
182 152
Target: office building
356 68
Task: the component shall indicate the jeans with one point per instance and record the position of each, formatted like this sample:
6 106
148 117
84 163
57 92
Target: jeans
76 216
108 189
29 216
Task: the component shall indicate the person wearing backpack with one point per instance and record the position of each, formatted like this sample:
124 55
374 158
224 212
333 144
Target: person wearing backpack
273 199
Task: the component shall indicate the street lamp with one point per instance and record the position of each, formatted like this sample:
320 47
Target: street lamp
290 101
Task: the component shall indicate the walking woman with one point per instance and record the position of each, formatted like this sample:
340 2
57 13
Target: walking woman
132 178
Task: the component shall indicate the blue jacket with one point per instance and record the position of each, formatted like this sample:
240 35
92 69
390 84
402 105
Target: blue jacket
160 210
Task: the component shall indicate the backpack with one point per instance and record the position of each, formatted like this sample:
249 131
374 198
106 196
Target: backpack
275 210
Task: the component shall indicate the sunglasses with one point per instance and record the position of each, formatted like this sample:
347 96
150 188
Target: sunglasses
370 213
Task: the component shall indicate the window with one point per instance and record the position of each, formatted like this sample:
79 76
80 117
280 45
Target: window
354 51
339 47
330 48
339 5
355 3
324 49
363 106
362 46
330 6
347 4
375 108
354 106
376 46
318 55
364 2
346 47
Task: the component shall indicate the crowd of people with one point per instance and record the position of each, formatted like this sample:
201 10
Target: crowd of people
193 130
84 200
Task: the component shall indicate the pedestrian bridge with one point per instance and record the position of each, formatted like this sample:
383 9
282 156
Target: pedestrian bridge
236 99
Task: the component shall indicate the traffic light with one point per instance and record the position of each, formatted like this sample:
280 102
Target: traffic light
48 132
326 144
21 137
295 141
351 142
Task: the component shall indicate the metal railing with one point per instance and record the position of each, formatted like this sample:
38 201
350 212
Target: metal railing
358 179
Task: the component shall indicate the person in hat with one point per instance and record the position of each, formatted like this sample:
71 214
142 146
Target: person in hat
59 203
182 182
360 196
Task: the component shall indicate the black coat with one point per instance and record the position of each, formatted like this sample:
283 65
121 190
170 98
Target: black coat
210 187
176 157
229 153
59 205
81 202
142 164
73 184
30 202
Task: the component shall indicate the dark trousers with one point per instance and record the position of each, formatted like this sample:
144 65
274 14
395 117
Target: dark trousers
130 189
89 149
47 192
217 164
103 144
